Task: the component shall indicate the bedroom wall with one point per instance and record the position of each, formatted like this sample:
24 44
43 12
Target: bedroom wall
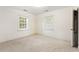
61 24
9 24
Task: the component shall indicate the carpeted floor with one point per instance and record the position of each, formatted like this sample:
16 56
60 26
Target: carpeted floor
37 43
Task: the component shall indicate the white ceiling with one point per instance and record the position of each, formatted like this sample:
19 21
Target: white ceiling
38 10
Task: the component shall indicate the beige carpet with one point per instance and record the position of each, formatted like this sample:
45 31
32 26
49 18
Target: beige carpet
37 43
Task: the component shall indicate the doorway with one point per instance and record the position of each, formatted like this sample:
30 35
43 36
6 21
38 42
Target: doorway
75 28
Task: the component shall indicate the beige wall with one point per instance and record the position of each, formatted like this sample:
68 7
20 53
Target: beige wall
61 25
9 24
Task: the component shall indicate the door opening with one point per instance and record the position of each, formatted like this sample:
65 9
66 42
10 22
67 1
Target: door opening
75 28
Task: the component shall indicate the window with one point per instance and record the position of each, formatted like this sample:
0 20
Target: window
22 23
